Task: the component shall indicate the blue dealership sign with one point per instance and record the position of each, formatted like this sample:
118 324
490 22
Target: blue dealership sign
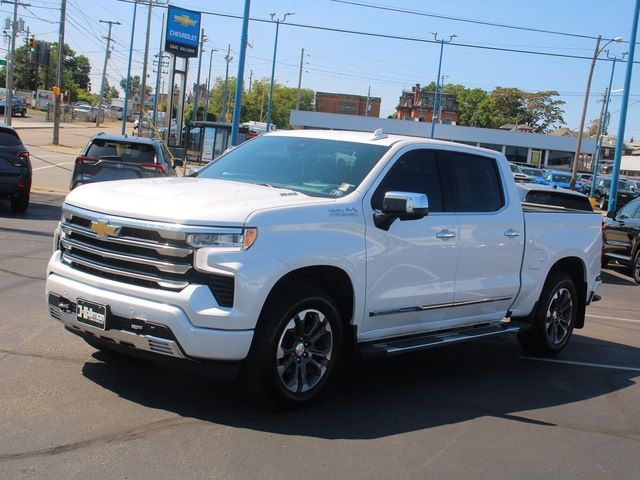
183 32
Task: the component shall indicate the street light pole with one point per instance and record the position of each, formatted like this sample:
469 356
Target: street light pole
615 175
206 102
601 129
576 157
194 114
436 103
237 99
160 59
273 67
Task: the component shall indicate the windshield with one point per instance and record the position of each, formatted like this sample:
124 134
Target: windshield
515 168
122 151
561 177
622 184
316 167
534 172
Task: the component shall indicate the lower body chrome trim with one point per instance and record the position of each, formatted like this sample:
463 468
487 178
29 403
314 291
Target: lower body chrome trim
421 308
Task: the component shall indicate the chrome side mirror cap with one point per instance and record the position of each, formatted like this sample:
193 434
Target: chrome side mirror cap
403 206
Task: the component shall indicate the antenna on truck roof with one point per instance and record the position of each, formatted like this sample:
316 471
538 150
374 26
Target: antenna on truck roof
378 134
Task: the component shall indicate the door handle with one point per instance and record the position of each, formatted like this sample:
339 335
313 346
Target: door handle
512 233
445 234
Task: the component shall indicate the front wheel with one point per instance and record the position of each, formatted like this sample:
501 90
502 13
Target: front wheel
296 347
636 267
553 319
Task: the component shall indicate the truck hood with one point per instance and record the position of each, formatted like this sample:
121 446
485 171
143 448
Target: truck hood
189 201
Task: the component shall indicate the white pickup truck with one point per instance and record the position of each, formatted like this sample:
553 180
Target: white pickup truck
297 248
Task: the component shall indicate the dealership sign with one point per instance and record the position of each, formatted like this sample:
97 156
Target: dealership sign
183 32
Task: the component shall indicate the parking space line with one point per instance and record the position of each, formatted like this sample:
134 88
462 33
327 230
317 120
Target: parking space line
614 318
53 165
582 364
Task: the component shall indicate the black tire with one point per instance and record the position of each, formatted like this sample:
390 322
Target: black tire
23 113
20 202
268 366
602 203
552 314
635 267
604 261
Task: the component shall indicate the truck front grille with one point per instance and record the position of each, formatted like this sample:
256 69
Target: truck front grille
149 254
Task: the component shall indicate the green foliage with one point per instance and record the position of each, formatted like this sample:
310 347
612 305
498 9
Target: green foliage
479 108
29 75
83 95
135 87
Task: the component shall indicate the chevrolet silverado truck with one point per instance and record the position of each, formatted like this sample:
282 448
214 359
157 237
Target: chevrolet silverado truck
298 249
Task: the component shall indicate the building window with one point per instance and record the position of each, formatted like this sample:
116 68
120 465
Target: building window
492 146
348 107
516 154
559 159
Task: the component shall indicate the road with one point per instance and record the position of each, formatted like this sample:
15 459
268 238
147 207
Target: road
478 410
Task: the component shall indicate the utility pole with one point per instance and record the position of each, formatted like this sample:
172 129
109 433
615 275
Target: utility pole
250 79
146 57
125 109
273 65
237 103
107 54
206 102
160 60
300 80
58 89
436 106
366 108
225 96
8 109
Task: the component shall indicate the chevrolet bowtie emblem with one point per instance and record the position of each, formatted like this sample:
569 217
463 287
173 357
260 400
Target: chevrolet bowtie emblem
103 229
184 20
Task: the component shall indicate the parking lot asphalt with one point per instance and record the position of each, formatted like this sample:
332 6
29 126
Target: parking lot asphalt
478 410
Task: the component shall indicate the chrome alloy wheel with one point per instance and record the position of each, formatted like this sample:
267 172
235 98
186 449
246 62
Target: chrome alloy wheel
304 350
636 268
559 317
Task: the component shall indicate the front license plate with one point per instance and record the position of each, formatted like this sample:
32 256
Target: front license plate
91 313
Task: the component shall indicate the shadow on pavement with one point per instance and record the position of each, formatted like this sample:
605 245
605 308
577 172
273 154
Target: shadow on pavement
384 397
36 211
611 279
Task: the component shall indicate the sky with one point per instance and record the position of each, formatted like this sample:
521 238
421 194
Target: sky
349 63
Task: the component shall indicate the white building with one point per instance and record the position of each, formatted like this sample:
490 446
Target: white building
547 150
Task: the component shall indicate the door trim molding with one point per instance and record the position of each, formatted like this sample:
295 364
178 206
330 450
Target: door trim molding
421 308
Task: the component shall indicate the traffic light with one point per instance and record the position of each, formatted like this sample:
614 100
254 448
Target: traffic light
32 44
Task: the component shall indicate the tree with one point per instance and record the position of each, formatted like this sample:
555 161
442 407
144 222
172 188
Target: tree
593 128
135 87
545 110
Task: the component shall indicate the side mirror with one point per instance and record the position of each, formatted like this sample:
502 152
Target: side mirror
611 215
178 162
403 206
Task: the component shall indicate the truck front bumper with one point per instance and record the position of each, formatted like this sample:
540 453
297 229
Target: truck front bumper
141 325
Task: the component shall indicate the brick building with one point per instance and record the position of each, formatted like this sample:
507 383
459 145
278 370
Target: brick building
347 104
418 105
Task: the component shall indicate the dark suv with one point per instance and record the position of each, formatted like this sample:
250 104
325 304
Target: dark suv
621 238
119 157
626 192
19 107
15 170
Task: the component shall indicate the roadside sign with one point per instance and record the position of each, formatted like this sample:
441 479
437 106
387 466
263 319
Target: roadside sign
3 62
183 32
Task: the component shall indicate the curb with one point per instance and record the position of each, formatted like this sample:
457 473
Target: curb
49 191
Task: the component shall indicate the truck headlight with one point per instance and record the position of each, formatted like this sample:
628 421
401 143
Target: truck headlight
242 239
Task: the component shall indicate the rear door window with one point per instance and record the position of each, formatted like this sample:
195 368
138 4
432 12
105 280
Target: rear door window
9 138
475 183
122 151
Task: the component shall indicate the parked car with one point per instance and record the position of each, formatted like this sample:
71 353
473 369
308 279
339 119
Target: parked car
621 238
278 258
626 192
85 112
559 179
534 172
19 107
15 170
118 157
518 175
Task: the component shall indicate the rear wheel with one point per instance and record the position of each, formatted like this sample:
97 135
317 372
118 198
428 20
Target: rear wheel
296 347
20 202
553 319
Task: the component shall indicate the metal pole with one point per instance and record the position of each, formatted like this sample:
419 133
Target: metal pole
366 108
225 96
170 89
596 162
574 167
143 89
273 71
107 53
160 59
56 118
300 81
8 104
194 113
237 102
435 96
125 110
206 103
623 111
